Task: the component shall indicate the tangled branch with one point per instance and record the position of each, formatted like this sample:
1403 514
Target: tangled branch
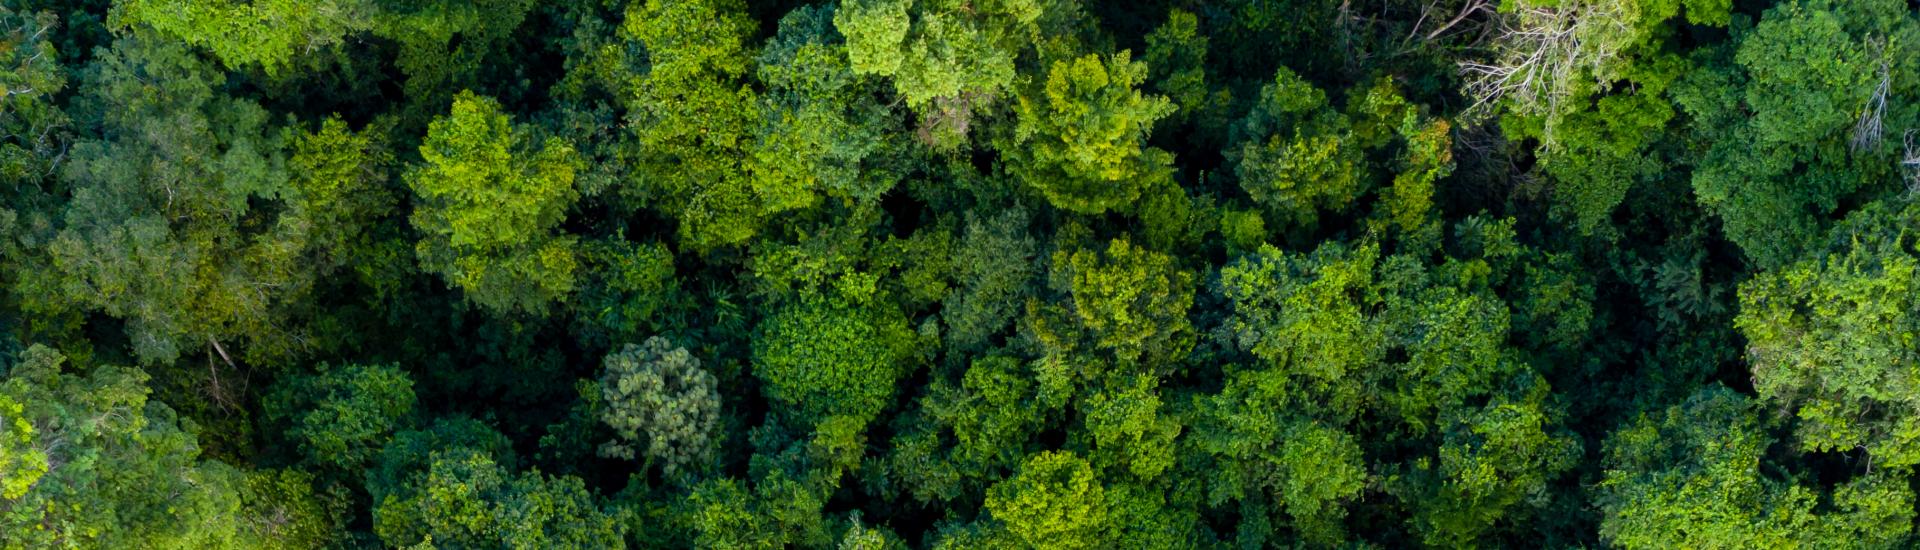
1539 53
1866 133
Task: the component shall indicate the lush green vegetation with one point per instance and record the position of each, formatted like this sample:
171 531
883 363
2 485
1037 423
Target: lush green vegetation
959 274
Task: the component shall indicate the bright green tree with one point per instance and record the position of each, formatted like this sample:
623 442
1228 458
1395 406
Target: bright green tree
488 207
965 436
1081 137
343 189
1129 431
455 484
823 130
694 115
1307 315
1176 57
1832 339
825 357
466 499
1310 470
1130 301
1296 155
1054 502
270 33
948 59
1491 461
90 462
1695 476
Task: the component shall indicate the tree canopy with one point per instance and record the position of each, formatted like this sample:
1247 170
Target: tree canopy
888 274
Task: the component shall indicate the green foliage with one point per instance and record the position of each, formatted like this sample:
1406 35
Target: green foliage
35 126
660 392
1054 502
1600 153
1176 55
862 538
22 464
270 34
1128 430
341 416
455 485
1694 476
444 45
694 119
1297 155
1814 78
1306 315
720 511
969 434
993 267
1587 80
826 357
1309 469
1832 340
1346 341
488 205
948 59
91 462
1081 135
824 129
626 288
283 511
959 274
1492 460
466 499
341 183
165 230
1409 208
1453 345
1130 301
933 49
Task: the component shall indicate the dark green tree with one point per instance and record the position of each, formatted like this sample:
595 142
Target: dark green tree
341 416
175 225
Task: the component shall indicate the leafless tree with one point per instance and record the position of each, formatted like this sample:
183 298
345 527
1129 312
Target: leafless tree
1911 162
1539 51
1867 132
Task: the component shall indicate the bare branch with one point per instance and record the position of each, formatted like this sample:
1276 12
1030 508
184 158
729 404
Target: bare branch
219 396
1540 51
1911 162
1472 8
1866 133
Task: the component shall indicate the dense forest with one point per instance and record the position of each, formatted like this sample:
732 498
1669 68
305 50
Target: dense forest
877 274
